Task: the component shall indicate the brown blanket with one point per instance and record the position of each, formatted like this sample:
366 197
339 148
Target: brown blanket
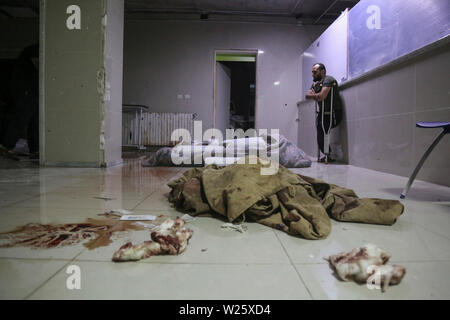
296 204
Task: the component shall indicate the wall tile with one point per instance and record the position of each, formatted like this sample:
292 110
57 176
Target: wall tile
349 103
433 81
367 99
396 91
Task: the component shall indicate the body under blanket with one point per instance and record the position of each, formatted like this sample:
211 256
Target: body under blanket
297 204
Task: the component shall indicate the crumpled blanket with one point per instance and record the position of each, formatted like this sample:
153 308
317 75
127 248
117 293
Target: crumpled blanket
162 158
291 156
297 204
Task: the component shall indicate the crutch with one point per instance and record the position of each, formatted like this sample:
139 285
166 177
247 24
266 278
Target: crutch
326 133
318 147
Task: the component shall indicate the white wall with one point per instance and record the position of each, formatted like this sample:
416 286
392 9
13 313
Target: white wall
383 110
331 50
378 130
223 90
114 75
166 58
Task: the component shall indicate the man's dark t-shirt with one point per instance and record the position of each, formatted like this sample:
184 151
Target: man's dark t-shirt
329 81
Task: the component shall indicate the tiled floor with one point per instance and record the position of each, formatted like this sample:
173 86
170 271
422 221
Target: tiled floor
261 263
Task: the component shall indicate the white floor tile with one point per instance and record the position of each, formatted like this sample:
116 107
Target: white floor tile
218 263
66 253
19 278
157 200
210 244
55 200
104 280
404 241
423 280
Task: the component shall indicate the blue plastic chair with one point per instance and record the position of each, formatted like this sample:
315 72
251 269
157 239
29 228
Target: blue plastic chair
446 129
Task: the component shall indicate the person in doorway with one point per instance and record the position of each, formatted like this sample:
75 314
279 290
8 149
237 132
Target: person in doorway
320 91
22 116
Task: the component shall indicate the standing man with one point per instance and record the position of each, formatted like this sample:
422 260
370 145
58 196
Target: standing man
22 116
325 91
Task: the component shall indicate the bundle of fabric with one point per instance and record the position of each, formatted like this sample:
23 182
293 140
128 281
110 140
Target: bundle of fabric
367 264
162 158
169 238
296 204
287 153
290 155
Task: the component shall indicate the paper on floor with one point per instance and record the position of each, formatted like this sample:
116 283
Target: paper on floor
134 217
238 227
145 225
119 212
188 218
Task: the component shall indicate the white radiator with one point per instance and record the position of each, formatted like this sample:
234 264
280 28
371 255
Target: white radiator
158 127
142 128
133 125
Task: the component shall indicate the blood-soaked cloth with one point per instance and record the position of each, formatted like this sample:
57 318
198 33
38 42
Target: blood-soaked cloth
296 204
97 231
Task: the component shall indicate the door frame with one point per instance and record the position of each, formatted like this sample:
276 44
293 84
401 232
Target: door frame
246 52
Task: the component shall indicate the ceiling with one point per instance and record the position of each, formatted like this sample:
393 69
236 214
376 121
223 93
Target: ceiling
308 12
287 11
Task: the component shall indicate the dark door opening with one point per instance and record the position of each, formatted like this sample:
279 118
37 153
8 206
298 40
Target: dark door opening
242 94
19 105
19 86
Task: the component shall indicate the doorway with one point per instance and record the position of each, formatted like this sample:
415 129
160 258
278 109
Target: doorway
235 90
19 107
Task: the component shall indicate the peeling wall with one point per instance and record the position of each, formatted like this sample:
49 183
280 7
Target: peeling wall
73 67
79 67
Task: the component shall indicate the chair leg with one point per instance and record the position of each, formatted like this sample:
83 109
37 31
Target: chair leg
420 164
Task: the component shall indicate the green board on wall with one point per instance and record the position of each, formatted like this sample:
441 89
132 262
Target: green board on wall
237 57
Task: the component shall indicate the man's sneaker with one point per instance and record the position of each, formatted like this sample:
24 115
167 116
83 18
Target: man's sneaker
34 156
322 160
8 154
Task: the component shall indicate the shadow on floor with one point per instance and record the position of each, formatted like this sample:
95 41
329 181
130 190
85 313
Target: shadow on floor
421 193
23 162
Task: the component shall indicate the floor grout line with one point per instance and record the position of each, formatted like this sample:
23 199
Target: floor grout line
166 180
208 263
52 276
192 263
61 208
418 261
431 231
293 265
35 259
15 203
